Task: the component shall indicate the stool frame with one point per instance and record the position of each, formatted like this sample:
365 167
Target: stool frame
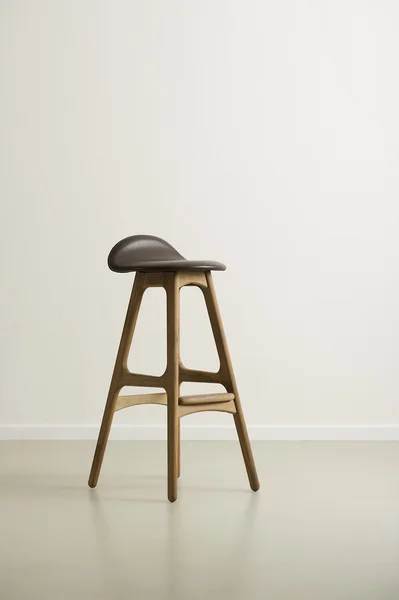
175 374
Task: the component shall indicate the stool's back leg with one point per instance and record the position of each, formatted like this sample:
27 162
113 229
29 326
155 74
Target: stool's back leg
116 381
172 378
227 373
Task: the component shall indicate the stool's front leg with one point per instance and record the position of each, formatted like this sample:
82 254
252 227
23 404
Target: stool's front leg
116 381
172 378
227 372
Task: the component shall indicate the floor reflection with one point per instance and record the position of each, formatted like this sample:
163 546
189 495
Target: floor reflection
173 547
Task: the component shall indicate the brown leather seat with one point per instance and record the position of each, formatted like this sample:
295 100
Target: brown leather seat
149 253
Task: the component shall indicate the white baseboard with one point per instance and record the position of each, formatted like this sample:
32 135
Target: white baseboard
205 432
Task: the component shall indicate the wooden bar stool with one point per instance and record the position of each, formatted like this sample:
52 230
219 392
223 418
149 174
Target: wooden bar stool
158 264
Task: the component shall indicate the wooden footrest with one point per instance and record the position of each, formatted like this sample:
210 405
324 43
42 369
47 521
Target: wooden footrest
200 400
205 399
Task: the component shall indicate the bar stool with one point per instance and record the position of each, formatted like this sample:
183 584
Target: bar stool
158 264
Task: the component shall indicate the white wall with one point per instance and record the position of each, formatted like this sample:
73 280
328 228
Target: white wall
263 134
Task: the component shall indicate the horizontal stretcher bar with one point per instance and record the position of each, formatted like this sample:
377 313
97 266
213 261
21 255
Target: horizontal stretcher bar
195 400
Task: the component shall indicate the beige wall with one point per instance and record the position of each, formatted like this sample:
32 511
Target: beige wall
262 134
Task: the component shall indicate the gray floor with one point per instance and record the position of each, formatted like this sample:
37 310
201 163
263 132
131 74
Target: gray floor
324 525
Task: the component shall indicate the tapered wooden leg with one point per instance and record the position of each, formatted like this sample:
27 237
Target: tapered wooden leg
116 381
227 374
172 379
246 449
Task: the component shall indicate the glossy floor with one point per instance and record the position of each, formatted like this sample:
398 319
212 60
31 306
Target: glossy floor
324 525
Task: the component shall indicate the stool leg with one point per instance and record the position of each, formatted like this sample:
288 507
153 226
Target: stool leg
116 381
172 379
226 370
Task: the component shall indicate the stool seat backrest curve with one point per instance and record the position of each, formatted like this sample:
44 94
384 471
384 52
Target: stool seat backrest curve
148 253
